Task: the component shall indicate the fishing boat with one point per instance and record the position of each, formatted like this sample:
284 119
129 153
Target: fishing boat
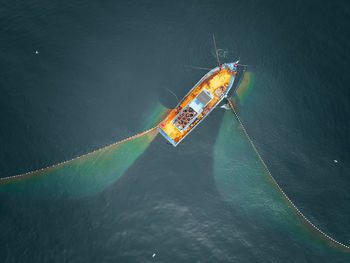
210 90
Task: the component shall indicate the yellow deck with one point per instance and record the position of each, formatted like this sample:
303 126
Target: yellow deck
217 79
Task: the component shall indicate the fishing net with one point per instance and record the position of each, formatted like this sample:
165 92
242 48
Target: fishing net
88 174
243 179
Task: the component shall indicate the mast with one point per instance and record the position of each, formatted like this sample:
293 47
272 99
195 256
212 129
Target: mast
216 52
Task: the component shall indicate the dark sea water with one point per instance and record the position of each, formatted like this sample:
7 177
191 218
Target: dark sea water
102 65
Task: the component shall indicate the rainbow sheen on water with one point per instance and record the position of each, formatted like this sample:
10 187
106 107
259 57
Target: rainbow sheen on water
242 180
87 175
245 87
155 116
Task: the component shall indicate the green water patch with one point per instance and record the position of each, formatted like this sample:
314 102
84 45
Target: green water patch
242 180
85 175
154 116
245 87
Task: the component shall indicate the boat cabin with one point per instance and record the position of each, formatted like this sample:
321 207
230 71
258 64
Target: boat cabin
192 110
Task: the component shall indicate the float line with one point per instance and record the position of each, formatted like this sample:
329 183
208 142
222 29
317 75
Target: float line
277 185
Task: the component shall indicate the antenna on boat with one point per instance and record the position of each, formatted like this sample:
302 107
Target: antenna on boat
196 67
216 51
174 95
244 65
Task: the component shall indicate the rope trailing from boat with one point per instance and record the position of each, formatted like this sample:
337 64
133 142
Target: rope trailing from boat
277 185
4 179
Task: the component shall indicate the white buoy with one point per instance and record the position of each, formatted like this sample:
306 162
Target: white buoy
154 254
225 106
36 52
